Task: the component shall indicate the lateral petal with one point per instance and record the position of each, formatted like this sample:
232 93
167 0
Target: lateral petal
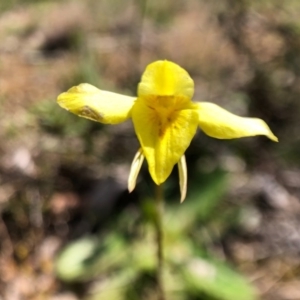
89 102
164 136
135 169
165 78
221 124
182 168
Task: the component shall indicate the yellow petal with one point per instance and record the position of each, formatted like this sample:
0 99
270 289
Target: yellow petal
89 102
164 78
221 124
135 169
182 177
165 127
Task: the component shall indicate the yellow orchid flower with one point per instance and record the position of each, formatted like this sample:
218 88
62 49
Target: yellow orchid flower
164 116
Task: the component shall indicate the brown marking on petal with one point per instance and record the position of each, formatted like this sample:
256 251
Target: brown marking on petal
166 123
160 129
89 113
161 132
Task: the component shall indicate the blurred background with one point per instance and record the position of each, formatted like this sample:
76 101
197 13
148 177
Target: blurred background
69 229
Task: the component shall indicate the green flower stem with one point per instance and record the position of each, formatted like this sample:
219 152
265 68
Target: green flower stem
159 199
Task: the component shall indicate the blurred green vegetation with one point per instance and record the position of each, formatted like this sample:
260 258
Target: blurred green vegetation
123 258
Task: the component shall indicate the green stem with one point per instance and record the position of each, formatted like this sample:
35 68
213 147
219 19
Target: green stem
159 199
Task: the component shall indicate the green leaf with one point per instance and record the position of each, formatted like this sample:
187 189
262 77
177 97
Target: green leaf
216 280
89 256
